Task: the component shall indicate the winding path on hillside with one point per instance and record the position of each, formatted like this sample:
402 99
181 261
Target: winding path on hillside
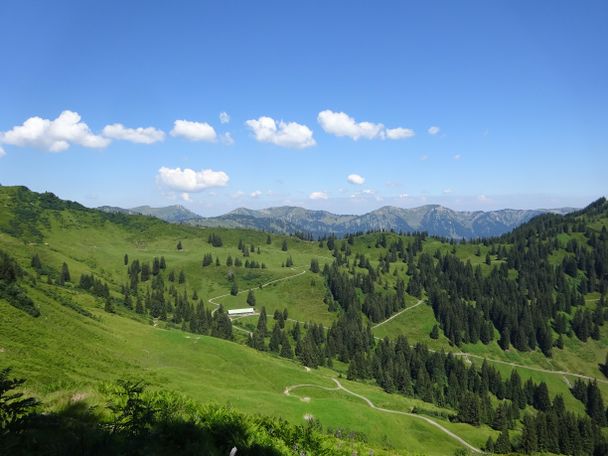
464 354
339 387
217 306
420 301
537 369
498 361
238 328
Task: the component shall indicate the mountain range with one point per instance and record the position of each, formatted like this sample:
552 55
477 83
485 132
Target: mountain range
433 219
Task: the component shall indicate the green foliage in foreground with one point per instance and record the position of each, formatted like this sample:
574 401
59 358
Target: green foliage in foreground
140 422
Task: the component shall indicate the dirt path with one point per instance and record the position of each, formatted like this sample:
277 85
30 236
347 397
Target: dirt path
537 369
339 386
212 300
398 313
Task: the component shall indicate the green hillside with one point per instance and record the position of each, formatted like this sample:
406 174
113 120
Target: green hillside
72 330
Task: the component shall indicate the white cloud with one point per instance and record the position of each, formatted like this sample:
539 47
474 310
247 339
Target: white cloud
483 199
399 133
424 157
447 191
224 117
53 135
194 131
457 157
190 181
403 195
227 139
238 194
185 196
355 179
255 194
433 130
318 196
341 124
139 135
292 134
2 152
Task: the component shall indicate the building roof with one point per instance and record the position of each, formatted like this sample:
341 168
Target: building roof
241 311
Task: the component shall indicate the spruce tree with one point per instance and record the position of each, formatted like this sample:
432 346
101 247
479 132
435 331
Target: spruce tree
262 322
275 339
65 273
503 444
234 288
286 351
251 298
434 332
36 263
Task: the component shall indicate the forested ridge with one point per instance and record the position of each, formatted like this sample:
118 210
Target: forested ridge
527 291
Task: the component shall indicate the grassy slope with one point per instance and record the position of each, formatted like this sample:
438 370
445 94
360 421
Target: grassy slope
65 351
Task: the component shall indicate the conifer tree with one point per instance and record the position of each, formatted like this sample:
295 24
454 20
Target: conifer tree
275 339
65 273
434 332
262 322
36 263
251 298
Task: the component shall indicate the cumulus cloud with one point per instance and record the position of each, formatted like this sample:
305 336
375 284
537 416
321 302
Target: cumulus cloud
54 135
292 134
148 135
189 181
433 130
318 196
355 179
194 131
399 133
255 194
2 152
341 124
224 117
185 196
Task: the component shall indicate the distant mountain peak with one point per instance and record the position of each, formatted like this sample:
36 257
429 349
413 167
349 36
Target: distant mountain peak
433 218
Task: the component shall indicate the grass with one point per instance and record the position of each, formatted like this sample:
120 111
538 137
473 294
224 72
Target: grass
63 353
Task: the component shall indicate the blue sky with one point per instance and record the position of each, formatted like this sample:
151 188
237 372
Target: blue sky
315 92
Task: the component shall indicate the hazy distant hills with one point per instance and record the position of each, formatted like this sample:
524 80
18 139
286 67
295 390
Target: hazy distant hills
434 219
174 214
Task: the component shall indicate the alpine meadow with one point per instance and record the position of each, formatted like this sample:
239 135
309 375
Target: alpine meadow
303 229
